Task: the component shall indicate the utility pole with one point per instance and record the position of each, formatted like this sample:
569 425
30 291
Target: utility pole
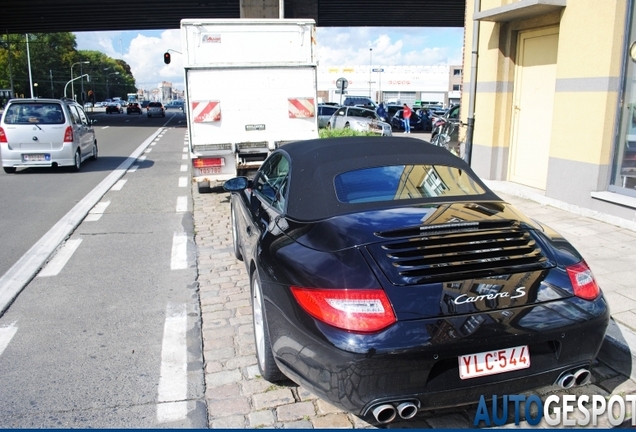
51 76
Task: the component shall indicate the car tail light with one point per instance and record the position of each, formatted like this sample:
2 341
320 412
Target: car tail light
208 162
68 134
3 136
356 310
583 281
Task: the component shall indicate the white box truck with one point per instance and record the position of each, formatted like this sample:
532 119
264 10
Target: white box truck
251 86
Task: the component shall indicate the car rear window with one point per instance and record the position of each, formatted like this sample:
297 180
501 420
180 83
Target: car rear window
400 182
34 113
154 104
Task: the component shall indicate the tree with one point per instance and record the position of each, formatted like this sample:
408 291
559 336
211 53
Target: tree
52 56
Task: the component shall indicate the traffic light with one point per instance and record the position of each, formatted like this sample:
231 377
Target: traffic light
166 58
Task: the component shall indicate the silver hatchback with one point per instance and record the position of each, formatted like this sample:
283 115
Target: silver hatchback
45 133
359 119
156 109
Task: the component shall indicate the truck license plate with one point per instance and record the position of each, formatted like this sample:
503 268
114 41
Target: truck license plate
210 170
493 362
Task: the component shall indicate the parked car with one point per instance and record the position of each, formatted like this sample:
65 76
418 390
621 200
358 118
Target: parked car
403 283
155 109
45 133
114 107
358 119
361 101
397 121
133 107
324 114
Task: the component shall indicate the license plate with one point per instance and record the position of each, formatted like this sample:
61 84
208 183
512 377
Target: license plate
36 157
494 362
210 170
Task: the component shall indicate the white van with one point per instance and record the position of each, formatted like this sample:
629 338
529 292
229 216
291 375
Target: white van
45 133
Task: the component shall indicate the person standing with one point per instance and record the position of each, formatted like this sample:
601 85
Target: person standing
381 112
406 117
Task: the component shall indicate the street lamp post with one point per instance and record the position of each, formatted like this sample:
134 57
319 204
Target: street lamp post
370 67
72 87
107 80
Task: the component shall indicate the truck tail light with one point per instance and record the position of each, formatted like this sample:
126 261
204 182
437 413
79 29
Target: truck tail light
68 134
208 162
3 136
583 281
356 310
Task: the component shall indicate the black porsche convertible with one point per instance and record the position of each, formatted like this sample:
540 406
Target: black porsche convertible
387 278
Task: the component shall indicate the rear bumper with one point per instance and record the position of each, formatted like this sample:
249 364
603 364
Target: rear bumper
62 157
419 359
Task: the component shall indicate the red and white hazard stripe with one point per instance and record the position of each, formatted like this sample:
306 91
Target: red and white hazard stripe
301 107
206 111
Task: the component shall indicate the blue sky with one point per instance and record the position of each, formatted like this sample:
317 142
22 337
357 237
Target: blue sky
336 46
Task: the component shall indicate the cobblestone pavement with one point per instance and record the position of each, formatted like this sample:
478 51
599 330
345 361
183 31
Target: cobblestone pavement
237 397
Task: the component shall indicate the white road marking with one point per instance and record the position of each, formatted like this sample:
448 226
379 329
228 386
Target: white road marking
96 213
179 255
133 168
185 149
148 150
6 334
55 266
184 168
105 127
182 204
173 379
19 275
183 182
117 186
184 157
141 158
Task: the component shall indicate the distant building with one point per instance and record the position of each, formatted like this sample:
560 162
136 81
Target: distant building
406 84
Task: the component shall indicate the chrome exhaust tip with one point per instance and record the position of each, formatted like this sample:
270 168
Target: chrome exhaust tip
384 413
582 377
407 410
566 380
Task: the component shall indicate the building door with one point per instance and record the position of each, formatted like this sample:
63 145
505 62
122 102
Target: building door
535 79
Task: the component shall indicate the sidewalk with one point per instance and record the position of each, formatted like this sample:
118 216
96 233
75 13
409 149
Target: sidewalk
610 252
237 397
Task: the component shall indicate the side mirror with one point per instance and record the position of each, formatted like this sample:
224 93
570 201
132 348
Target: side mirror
236 184
93 121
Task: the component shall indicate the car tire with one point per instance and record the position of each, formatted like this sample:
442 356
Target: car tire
235 239
347 126
78 161
95 151
9 170
264 356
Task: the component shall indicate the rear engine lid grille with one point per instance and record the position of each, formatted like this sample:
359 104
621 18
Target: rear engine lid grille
455 254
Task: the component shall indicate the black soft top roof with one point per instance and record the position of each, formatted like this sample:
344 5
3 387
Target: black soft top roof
315 164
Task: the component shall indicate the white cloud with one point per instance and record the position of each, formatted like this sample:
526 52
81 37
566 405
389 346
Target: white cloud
145 57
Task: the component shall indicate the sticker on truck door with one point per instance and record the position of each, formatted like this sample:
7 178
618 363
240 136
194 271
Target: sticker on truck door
301 107
206 111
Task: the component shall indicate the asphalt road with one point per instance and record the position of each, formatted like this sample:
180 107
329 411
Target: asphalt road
108 333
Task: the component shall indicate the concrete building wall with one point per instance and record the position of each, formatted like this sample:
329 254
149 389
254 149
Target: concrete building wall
591 47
